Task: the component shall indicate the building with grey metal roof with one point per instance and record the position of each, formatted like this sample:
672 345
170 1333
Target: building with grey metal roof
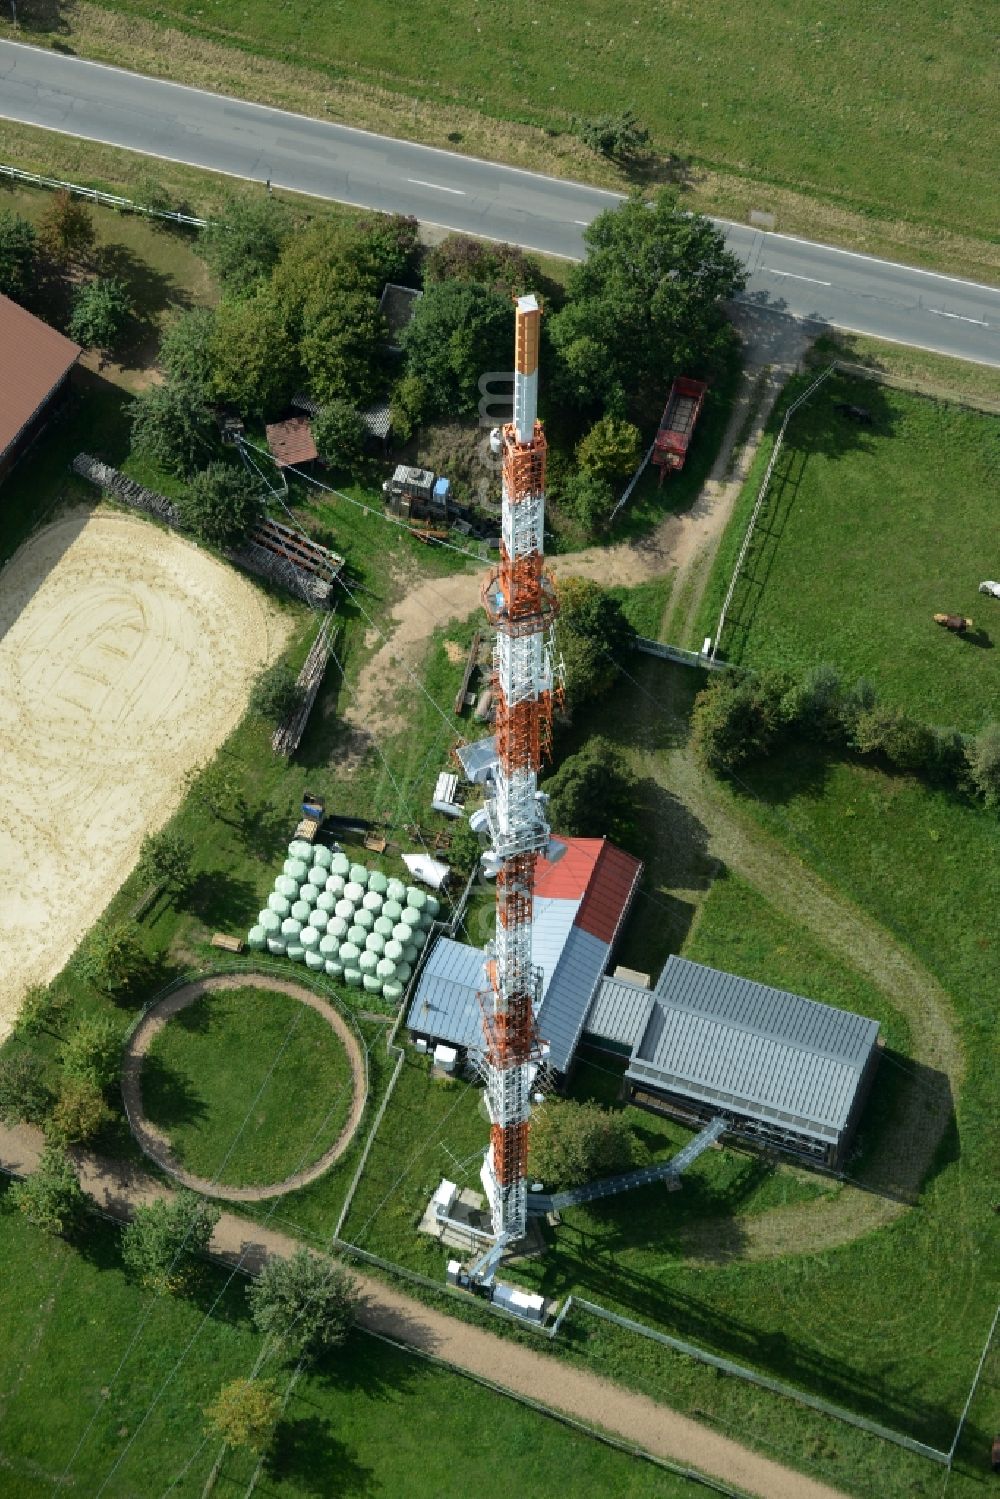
618 1014
783 1069
445 1006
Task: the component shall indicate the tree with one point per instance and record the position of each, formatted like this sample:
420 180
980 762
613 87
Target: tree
112 957
464 849
611 449
51 1198
459 332
24 1098
101 312
219 506
66 228
254 362
650 297
78 1113
573 1143
342 347
503 268
165 1236
307 1302
187 352
339 434
594 638
217 788
172 425
387 248
408 406
40 1010
592 794
737 719
589 500
245 1413
242 248
620 137
18 254
984 764
165 859
92 1050
276 694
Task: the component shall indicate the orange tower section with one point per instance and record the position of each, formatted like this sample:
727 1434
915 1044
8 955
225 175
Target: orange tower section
520 604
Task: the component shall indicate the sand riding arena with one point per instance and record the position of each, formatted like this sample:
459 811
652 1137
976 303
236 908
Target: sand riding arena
126 656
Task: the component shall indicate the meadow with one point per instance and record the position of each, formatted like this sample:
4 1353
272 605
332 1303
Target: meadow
866 533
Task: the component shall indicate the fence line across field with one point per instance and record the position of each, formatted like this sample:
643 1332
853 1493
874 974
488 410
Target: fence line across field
98 195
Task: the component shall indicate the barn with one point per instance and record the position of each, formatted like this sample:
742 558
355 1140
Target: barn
35 362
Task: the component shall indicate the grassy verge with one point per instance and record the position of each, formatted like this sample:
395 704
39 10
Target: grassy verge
370 1420
805 161
207 1083
866 533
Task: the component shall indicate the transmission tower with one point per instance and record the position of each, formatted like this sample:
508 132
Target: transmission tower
520 604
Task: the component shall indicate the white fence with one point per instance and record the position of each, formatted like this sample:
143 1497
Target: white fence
97 195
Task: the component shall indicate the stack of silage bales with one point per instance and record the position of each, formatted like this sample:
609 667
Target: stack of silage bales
353 923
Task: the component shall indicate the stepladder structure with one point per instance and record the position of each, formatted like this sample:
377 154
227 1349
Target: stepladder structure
520 603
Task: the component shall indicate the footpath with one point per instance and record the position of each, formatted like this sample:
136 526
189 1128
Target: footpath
117 1187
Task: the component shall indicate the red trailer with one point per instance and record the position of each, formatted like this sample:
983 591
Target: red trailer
677 423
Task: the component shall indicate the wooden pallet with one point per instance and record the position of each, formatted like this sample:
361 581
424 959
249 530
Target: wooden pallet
229 944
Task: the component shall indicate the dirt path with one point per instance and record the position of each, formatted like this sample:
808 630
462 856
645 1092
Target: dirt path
155 1142
587 1397
907 1145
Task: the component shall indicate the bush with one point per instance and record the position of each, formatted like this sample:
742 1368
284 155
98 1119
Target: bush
112 958
276 694
219 506
464 849
18 254
101 312
187 352
165 859
342 347
79 1112
984 764
593 637
408 406
573 1143
620 137
24 1098
589 500
51 1198
307 1302
592 794
339 434
92 1050
66 228
818 708
737 719
245 1413
172 426
503 268
611 450
160 1244
387 248
41 1008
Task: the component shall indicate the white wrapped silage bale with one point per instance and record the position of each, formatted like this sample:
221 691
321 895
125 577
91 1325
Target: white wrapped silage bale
340 864
365 920
378 882
433 907
367 962
314 960
309 937
335 885
300 849
396 891
310 892
383 926
410 954
270 920
352 976
290 928
334 968
357 935
359 874
392 909
372 985
385 969
394 951
401 932
375 943
392 991
372 902
318 876
319 919
337 927
411 917
322 856
329 946
279 903
295 951
403 971
326 902
349 954
295 869
276 945
257 938
415 898
301 910
285 886
354 892
344 908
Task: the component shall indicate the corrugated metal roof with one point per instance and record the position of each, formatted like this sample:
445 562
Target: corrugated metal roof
291 441
34 358
445 1005
570 990
615 876
619 1012
774 1056
478 759
569 876
549 934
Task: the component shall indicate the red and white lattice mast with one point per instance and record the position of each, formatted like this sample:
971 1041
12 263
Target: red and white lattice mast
520 604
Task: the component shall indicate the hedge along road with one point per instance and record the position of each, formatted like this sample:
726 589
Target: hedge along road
118 1189
816 283
153 1140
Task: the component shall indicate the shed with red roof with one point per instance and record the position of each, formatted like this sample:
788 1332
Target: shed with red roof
35 362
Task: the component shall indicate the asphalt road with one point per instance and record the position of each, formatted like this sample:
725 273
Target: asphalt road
809 281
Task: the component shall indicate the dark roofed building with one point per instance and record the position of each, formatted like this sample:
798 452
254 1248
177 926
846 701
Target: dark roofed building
784 1070
291 442
35 362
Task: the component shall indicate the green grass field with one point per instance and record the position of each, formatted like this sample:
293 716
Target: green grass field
807 99
210 1068
369 1420
866 533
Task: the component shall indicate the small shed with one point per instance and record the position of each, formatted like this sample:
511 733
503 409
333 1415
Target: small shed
35 362
445 798
479 760
291 442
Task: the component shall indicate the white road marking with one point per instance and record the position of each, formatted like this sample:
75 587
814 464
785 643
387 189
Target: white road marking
584 222
959 317
792 276
437 187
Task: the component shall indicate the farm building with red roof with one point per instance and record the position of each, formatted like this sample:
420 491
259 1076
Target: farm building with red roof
35 362
580 905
